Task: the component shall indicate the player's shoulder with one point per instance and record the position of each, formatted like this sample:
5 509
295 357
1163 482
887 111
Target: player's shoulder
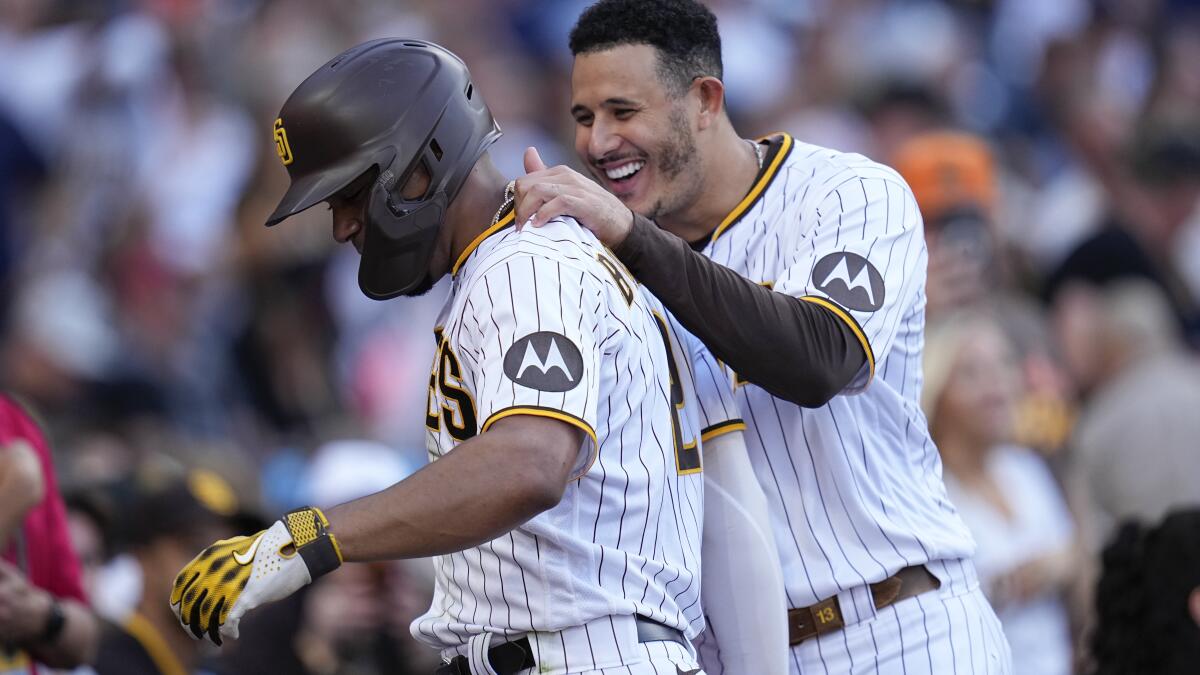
562 240
561 246
829 167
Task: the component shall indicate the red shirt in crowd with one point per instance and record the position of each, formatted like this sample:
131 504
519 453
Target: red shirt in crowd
41 548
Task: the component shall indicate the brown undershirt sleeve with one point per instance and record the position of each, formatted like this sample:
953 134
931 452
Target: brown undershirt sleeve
796 350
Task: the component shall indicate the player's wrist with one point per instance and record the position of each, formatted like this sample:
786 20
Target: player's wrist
316 544
623 225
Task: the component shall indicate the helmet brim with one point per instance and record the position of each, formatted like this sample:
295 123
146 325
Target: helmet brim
309 190
305 193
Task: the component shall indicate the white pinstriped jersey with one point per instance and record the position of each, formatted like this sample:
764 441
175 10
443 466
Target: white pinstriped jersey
545 322
855 486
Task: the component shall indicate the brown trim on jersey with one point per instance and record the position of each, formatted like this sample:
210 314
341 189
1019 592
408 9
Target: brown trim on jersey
720 429
504 222
552 413
859 333
771 166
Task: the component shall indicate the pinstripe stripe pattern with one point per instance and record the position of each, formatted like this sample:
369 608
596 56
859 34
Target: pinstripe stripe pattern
856 484
625 538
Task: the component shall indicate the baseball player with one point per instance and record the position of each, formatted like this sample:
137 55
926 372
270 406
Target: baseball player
803 269
564 499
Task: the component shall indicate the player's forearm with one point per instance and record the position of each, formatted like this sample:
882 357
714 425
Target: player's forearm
744 597
76 644
796 350
482 489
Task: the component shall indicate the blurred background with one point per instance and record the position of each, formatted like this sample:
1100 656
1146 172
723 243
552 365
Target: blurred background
159 329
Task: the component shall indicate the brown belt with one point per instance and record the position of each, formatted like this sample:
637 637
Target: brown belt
826 616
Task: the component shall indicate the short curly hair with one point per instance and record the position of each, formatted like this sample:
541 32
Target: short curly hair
683 31
1143 623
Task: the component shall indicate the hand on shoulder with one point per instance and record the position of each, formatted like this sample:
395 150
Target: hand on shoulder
546 193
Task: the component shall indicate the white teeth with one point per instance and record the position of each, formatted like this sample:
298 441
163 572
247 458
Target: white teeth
624 171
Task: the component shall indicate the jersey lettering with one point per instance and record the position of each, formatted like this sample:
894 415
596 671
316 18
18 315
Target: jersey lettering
461 420
687 455
622 282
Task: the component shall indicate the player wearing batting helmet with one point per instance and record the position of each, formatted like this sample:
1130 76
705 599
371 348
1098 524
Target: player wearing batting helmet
563 501
805 275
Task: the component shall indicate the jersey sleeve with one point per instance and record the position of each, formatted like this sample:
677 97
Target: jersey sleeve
864 260
531 345
716 407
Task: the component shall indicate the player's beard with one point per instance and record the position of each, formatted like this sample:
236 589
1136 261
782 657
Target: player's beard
673 157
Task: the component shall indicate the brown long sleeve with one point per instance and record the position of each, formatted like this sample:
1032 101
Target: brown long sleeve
798 351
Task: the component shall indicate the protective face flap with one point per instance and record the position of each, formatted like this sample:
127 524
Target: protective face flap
399 243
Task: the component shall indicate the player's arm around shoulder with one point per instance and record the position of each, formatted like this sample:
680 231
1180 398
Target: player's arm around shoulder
743 596
860 257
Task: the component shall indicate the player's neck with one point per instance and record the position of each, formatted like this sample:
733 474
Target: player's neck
475 206
729 168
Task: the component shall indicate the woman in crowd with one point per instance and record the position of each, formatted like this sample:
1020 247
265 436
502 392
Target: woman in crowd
1005 493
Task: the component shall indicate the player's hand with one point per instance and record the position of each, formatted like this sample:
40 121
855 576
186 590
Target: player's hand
546 193
233 576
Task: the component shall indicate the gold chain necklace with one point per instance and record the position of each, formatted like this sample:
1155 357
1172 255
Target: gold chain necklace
510 194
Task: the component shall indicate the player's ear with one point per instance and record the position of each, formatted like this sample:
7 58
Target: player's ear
711 93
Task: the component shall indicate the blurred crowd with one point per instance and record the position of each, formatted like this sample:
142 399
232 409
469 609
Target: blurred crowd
197 373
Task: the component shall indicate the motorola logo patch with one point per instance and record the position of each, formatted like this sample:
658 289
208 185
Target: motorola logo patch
850 281
545 361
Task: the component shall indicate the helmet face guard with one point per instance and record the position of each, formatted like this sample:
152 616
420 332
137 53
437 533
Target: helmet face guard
392 105
400 237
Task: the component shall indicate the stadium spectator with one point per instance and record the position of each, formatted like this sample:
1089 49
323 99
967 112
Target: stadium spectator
43 616
162 523
1005 493
1148 599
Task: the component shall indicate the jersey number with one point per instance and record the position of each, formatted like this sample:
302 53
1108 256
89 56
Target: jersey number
687 456
622 282
460 420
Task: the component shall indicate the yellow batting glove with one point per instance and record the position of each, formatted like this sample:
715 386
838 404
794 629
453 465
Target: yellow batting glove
233 576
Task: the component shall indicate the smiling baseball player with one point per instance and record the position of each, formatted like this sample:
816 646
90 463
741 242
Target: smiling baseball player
803 269
564 500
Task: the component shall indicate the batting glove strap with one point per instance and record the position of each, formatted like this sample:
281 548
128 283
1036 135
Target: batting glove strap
314 542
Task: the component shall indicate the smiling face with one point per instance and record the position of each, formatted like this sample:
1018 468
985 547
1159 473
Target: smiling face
633 134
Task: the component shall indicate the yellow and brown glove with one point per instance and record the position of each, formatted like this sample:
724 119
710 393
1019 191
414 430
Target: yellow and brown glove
233 576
